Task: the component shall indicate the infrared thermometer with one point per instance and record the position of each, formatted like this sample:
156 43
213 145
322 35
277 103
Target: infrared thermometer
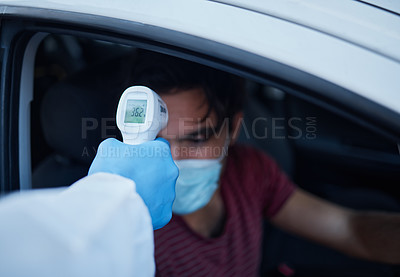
141 114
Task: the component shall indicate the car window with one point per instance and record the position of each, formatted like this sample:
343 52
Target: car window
77 83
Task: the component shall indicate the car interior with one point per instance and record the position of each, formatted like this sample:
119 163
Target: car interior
77 84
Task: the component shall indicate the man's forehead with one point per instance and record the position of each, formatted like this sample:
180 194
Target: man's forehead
188 111
190 102
183 126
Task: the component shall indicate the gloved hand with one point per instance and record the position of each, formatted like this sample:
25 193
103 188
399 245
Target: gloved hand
149 165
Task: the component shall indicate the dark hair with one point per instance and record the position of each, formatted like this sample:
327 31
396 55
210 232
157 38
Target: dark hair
166 74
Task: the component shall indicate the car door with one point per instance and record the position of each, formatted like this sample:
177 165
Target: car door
348 133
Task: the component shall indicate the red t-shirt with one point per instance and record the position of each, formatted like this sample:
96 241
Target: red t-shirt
252 187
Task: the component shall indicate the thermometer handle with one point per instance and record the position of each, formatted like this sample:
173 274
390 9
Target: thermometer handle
135 141
140 137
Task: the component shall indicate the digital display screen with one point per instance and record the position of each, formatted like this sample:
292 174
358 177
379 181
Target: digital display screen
135 111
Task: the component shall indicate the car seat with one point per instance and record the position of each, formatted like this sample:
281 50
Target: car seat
76 115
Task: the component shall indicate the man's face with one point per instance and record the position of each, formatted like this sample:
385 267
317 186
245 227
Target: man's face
190 136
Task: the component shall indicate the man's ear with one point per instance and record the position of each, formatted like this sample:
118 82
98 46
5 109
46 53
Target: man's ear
236 124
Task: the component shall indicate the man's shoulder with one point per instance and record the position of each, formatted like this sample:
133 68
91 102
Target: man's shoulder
248 164
247 154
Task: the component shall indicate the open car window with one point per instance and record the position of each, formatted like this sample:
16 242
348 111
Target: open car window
78 81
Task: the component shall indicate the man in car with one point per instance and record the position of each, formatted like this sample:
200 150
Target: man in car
222 196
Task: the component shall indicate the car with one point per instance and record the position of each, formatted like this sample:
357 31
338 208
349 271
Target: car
322 82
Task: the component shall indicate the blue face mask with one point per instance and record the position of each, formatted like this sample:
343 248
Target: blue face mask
196 184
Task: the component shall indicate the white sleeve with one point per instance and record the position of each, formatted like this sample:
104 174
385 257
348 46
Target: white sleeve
97 227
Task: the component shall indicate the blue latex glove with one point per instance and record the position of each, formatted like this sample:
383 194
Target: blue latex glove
149 165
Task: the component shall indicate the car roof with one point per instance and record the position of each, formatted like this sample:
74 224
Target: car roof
352 21
389 5
350 43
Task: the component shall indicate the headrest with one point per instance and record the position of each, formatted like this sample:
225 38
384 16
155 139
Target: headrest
64 109
77 114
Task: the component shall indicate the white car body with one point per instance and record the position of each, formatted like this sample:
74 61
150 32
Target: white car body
349 43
